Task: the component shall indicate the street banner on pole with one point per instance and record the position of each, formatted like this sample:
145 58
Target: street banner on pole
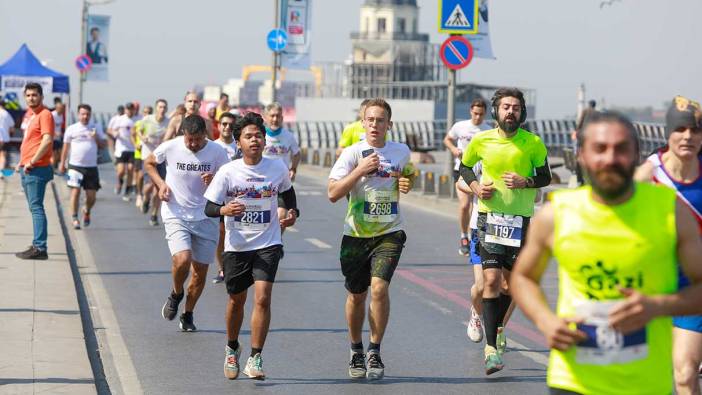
295 21
481 41
98 42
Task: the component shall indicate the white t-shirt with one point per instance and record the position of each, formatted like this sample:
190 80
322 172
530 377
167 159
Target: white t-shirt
232 149
258 188
122 127
58 125
281 146
84 148
152 132
111 123
183 177
374 208
6 123
462 132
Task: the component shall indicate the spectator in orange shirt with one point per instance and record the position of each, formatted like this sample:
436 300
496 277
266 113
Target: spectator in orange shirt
35 165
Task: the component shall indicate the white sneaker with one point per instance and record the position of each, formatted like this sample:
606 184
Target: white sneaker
139 201
475 327
254 368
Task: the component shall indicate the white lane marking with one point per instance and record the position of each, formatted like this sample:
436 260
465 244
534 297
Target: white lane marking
533 355
318 243
104 318
293 230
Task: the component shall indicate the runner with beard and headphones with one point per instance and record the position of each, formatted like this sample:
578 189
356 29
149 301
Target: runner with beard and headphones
514 165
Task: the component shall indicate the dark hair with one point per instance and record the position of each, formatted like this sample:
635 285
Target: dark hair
94 29
379 102
193 124
120 109
161 101
229 115
251 118
33 86
508 92
609 117
592 103
57 100
85 107
223 95
478 103
129 106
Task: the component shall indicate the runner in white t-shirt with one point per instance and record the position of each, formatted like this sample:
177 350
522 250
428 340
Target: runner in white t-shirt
124 150
151 130
110 126
7 124
372 173
82 140
192 160
246 192
280 143
226 140
456 141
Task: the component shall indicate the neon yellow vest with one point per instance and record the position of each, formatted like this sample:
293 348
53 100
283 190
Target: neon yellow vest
600 248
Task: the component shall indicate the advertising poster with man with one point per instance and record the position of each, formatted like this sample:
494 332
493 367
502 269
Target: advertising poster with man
97 47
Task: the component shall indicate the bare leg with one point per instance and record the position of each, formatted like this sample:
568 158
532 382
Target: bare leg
378 309
687 355
198 277
355 315
476 290
465 204
75 197
261 315
120 175
181 266
89 200
234 315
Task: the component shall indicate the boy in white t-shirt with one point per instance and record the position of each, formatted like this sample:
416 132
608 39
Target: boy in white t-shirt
246 192
456 140
192 161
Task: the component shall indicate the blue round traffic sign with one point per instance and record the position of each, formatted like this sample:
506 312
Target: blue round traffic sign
277 40
456 52
84 63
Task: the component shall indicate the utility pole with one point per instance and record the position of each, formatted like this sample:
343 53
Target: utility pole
83 44
274 78
450 113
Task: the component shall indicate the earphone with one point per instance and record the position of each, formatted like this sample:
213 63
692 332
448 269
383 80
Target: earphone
496 99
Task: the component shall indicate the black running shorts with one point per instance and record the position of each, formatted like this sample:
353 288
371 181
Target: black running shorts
363 258
242 269
91 177
126 157
498 256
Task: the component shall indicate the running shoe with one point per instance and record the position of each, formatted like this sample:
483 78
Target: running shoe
127 198
186 322
138 202
117 190
475 327
75 222
357 365
170 308
254 367
465 247
493 360
501 340
231 362
376 369
145 207
86 218
218 278
153 221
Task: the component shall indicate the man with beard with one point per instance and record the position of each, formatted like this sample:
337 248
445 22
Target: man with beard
192 107
191 162
618 244
514 166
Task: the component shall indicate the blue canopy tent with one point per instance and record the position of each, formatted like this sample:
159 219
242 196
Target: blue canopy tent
24 67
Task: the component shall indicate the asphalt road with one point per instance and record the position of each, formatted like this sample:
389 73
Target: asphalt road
425 349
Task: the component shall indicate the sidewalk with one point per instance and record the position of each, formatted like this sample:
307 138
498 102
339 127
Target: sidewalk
41 338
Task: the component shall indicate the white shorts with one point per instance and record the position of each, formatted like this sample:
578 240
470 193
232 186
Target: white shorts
200 237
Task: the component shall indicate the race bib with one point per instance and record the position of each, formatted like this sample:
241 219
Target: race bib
380 206
74 178
504 229
605 345
257 216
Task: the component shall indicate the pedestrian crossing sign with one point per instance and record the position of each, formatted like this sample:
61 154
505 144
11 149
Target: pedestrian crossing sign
458 16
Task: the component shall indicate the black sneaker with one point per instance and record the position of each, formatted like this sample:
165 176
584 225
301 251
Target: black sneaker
153 221
145 207
376 369
170 308
465 247
357 365
186 322
33 253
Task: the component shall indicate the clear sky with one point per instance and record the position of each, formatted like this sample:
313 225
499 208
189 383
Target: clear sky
629 53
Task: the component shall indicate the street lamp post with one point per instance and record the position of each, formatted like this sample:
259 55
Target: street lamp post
84 37
274 77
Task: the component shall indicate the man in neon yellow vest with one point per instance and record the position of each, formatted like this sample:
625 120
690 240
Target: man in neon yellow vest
618 244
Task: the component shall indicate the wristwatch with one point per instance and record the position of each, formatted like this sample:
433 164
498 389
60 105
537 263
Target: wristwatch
529 182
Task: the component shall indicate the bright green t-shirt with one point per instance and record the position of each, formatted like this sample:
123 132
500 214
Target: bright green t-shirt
352 134
519 154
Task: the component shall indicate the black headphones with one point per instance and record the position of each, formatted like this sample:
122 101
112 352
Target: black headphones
495 103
